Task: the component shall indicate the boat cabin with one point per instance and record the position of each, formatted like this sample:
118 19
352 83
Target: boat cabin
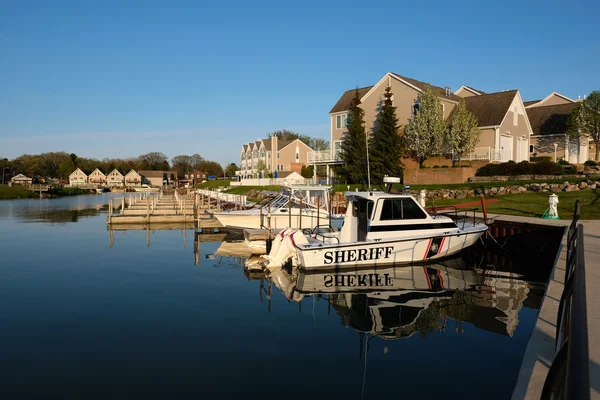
378 215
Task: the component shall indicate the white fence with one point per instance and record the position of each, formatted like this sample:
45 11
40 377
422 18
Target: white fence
478 154
225 197
271 181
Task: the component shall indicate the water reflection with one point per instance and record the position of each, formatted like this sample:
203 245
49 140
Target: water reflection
397 302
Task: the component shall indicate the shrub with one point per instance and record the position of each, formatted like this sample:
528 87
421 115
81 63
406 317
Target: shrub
562 161
590 163
570 170
541 158
436 166
547 168
444 166
524 168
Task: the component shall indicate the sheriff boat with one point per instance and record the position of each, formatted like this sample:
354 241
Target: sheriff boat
380 228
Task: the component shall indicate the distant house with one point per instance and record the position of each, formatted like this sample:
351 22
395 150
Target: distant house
20 180
550 137
291 177
78 178
158 178
97 177
276 155
114 178
193 178
132 178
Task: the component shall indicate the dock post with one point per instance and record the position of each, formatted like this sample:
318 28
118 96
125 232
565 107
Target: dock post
260 213
122 204
290 210
269 218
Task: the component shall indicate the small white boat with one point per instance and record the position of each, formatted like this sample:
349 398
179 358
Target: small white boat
145 188
297 207
380 228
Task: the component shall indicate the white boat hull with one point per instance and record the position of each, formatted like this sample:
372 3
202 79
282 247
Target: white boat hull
386 252
247 220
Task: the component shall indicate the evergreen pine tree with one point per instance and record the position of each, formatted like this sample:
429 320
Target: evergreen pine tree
385 149
354 144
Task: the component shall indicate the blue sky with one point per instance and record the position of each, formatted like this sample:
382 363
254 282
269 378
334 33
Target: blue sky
123 78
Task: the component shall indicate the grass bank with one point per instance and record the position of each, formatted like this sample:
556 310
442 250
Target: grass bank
213 184
15 192
535 204
67 191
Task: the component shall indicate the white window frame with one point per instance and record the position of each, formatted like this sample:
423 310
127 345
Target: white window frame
340 121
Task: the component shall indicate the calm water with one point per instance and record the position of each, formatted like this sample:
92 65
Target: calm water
87 315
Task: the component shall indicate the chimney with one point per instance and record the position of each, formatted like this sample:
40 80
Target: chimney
584 96
578 98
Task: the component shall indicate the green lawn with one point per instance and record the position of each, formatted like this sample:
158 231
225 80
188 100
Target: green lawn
15 192
246 189
535 204
213 184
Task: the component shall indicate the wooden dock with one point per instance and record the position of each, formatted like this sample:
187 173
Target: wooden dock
147 208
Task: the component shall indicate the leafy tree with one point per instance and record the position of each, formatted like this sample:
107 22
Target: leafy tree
354 144
385 149
261 166
210 167
154 161
585 120
182 164
463 133
66 168
195 160
231 169
318 144
314 143
425 131
307 171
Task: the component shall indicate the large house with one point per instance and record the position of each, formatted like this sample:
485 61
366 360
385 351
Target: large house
78 178
114 178
505 128
276 155
133 179
158 178
21 179
548 119
97 177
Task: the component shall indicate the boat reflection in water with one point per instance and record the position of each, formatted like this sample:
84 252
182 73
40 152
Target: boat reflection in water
397 302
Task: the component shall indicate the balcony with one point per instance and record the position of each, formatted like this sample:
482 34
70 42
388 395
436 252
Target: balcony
323 157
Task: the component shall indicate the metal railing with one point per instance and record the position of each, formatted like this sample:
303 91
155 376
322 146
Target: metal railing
569 375
478 154
322 156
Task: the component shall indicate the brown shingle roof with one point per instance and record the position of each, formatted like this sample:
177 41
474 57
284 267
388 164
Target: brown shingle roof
528 103
282 143
550 120
421 85
267 143
155 174
490 109
477 90
343 103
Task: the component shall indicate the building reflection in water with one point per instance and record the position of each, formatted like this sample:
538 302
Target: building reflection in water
397 302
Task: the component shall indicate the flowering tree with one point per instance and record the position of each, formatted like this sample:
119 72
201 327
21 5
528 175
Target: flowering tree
426 129
463 133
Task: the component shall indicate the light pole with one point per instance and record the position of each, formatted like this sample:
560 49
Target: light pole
3 168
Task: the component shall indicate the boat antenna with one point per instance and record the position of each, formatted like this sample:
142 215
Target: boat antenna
368 164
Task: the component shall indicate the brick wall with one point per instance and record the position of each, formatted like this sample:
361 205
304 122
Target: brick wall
437 176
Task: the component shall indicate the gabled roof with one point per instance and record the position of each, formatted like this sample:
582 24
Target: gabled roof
154 174
343 104
132 170
528 103
97 169
441 92
490 109
550 120
267 143
469 89
283 143
78 169
19 176
118 172
245 147
540 103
